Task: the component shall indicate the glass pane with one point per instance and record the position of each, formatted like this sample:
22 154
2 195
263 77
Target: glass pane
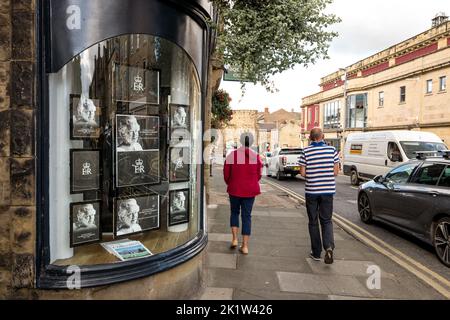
445 179
429 174
125 140
401 174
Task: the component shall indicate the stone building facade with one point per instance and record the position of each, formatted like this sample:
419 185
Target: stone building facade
17 149
271 130
403 87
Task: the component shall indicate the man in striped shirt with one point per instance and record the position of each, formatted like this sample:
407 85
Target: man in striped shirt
319 164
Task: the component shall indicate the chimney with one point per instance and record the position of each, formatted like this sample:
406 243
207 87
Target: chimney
439 19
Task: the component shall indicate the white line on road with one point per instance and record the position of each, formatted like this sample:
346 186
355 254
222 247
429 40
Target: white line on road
400 258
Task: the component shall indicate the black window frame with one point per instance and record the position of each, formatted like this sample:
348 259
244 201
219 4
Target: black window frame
50 276
442 83
402 94
427 89
381 99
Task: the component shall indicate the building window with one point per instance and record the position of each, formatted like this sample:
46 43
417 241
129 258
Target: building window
442 83
402 94
126 158
429 86
332 115
357 111
381 99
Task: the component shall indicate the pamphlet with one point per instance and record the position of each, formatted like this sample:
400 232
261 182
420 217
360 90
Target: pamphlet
127 250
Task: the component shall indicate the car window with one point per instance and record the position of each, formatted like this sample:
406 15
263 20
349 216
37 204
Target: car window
401 174
445 179
429 174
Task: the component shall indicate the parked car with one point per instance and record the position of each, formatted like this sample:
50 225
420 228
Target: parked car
370 154
284 162
415 198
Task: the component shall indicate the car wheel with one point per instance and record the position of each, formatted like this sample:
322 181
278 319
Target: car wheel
279 177
354 180
365 212
441 240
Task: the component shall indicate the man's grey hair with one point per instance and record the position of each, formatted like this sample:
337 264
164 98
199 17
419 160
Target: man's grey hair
316 134
247 139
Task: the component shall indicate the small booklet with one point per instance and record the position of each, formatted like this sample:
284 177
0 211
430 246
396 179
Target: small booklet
127 250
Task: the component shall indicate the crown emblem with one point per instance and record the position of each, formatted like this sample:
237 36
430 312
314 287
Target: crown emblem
139 162
138 79
86 165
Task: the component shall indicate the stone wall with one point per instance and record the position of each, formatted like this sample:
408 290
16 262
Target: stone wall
17 151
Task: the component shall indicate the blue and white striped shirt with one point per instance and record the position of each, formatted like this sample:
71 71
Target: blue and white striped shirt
319 160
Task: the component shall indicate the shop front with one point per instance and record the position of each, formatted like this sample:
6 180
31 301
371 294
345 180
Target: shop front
119 182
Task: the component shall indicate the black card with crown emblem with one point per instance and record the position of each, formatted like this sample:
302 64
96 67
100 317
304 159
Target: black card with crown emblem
137 168
85 170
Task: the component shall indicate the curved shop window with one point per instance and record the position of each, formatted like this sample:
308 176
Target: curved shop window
124 136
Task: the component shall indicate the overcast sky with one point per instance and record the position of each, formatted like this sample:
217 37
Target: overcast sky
367 27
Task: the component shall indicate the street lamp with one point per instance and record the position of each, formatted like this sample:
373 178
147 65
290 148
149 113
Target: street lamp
345 88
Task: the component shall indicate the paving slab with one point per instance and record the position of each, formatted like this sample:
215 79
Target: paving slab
272 263
238 279
217 294
220 237
346 268
302 283
254 294
221 260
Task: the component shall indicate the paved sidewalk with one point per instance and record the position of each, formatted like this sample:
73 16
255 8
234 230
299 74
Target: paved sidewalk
278 266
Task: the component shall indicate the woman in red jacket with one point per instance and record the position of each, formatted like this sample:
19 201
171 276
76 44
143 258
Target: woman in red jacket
242 172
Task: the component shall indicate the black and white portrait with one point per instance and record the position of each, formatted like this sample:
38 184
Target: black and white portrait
179 164
137 214
179 207
137 133
85 122
85 170
85 223
179 124
137 85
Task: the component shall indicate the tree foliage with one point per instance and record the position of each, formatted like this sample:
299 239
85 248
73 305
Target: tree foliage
260 38
221 111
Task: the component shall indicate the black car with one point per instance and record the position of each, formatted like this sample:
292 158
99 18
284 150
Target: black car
414 197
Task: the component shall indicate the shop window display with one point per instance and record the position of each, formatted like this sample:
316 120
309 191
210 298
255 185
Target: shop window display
124 138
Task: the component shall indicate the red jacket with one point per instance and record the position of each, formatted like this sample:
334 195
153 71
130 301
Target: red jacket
242 172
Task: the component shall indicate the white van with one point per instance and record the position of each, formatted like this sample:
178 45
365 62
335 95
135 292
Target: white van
367 155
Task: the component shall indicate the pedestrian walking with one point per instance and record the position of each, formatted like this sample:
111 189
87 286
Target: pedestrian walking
319 164
242 172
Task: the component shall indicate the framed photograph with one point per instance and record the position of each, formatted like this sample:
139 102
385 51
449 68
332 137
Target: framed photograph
180 126
178 207
85 170
137 133
136 168
137 86
85 116
136 214
180 159
137 150
85 223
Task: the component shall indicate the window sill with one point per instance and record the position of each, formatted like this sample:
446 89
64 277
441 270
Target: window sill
442 92
428 94
55 277
401 103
